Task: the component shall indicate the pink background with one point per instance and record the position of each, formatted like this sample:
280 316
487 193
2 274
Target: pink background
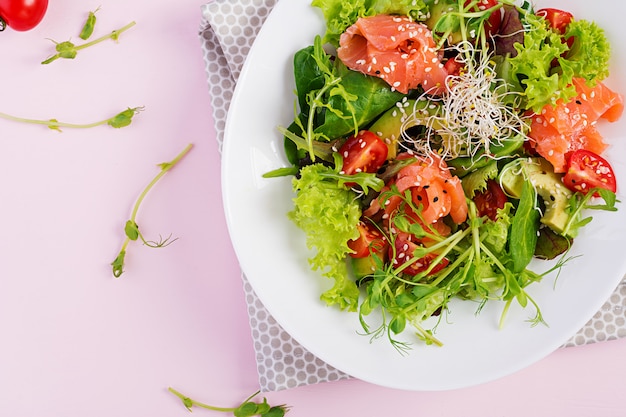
75 341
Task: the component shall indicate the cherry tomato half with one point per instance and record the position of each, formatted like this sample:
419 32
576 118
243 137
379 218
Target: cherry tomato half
365 152
21 15
370 240
587 170
558 19
490 200
453 66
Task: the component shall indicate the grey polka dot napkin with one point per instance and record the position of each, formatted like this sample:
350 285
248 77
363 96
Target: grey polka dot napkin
227 31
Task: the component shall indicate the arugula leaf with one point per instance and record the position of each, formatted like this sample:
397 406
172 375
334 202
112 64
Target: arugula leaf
580 202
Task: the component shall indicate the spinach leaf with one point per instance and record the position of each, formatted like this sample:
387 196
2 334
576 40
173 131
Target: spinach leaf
373 98
524 228
308 76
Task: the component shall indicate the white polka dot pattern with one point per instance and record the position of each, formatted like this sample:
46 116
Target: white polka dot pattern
227 32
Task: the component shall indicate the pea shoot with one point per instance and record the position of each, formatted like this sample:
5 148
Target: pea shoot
68 50
89 25
247 408
122 119
131 229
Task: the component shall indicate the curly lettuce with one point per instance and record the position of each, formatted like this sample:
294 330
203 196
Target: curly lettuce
545 65
531 68
340 14
328 212
589 54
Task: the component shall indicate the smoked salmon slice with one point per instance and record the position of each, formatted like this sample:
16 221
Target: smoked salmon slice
396 49
566 127
432 186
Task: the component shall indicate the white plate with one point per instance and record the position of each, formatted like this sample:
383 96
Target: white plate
273 254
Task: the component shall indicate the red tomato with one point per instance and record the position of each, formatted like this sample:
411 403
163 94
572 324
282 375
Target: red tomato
370 240
453 66
588 170
558 19
404 249
490 200
365 152
492 25
22 15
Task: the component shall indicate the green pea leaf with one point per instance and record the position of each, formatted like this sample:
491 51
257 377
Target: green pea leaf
131 229
246 409
66 50
276 411
118 264
89 25
397 324
122 119
53 124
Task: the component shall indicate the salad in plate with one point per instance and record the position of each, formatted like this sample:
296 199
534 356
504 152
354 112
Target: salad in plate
439 146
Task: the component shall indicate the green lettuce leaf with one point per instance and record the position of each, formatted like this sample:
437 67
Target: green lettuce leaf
328 213
589 55
530 70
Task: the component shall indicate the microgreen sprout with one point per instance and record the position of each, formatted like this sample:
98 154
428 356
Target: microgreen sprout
247 408
122 119
480 267
69 50
131 229
473 115
89 25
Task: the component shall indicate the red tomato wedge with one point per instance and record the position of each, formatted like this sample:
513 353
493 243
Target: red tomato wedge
365 152
567 127
489 201
558 19
396 49
370 240
587 170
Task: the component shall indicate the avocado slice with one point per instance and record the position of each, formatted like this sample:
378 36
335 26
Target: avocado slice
547 183
362 267
404 115
437 9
